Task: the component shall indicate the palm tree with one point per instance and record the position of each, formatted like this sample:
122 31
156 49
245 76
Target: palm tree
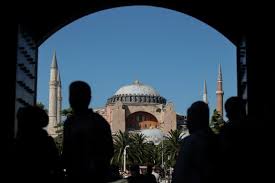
121 140
137 151
153 154
172 145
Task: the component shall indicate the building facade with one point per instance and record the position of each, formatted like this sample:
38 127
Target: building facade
137 107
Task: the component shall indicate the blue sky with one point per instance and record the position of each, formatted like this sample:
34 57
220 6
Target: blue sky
169 50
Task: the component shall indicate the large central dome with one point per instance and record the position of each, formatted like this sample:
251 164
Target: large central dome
137 93
137 88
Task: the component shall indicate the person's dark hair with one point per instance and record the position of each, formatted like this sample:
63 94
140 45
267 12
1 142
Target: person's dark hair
32 117
235 108
134 168
79 94
149 169
198 116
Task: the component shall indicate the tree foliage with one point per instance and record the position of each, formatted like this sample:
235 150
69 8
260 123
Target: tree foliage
59 138
67 112
42 106
138 152
216 122
143 152
121 140
172 144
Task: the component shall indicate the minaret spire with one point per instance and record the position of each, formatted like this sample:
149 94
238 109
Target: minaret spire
54 61
205 99
59 98
220 73
219 92
53 97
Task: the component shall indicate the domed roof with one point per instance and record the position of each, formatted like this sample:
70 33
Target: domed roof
154 135
137 88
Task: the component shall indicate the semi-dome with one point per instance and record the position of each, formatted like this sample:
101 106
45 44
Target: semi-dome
137 88
153 135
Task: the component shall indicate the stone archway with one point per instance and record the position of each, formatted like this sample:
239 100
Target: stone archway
35 23
235 19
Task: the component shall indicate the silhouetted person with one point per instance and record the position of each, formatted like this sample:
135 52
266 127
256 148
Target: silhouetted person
37 158
88 144
149 177
156 173
236 114
136 177
196 161
114 173
115 177
233 141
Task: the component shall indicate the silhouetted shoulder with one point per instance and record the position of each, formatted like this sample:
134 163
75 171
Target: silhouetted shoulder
68 120
100 118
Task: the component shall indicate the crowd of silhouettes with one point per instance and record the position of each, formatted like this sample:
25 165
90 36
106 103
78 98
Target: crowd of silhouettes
204 157
115 176
137 177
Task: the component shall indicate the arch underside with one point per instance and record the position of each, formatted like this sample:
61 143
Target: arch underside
141 120
45 22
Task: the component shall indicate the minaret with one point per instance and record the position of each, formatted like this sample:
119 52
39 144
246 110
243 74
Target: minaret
219 92
204 97
59 99
53 97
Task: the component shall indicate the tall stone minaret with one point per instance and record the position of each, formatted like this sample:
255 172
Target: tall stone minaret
219 92
204 97
53 97
59 99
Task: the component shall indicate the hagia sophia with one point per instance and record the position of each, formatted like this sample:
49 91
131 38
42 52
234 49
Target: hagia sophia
135 107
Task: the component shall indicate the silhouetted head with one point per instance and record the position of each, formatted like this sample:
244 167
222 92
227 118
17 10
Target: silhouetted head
197 116
235 108
149 169
134 169
32 117
114 170
79 95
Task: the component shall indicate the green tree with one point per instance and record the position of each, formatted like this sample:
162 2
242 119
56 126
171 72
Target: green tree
42 106
59 138
216 122
152 154
172 145
59 129
121 140
139 151
67 112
